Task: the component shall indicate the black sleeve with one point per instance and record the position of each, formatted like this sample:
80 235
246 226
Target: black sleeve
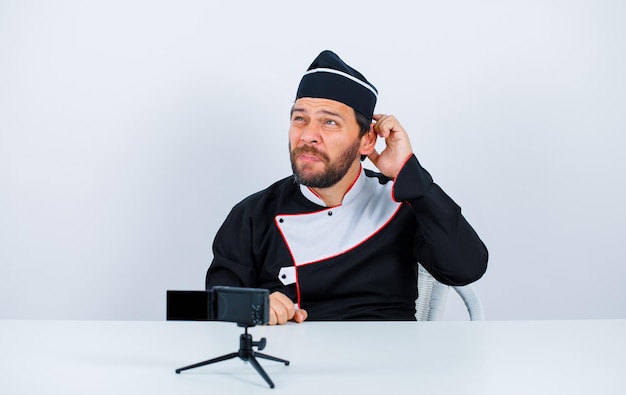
233 261
445 244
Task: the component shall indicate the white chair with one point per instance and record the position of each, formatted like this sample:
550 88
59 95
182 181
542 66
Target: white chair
433 295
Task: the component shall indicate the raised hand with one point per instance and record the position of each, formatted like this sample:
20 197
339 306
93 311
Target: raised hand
398 147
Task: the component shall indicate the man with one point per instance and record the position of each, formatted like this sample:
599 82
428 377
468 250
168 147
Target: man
340 241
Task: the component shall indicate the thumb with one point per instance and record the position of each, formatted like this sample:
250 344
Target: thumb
300 315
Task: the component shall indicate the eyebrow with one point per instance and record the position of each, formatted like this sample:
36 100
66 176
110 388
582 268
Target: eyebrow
327 112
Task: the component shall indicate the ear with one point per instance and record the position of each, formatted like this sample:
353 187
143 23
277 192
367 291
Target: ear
368 141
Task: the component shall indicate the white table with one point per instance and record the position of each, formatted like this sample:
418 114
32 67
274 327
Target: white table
491 357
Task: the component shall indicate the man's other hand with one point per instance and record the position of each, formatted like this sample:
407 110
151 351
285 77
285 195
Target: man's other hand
282 310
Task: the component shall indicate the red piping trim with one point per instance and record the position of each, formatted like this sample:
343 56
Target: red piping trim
354 181
313 192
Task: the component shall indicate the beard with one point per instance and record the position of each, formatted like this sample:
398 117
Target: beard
333 172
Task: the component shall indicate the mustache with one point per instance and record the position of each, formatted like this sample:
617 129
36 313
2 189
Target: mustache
307 149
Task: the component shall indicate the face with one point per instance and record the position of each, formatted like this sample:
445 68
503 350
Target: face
324 141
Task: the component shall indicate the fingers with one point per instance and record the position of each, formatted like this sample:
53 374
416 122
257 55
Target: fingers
386 124
397 145
282 310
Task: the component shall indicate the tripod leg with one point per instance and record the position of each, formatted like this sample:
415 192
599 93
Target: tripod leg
259 369
271 358
218 359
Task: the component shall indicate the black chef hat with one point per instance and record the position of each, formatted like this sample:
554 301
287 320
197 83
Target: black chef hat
328 77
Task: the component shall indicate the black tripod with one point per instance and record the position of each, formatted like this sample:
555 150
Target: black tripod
246 353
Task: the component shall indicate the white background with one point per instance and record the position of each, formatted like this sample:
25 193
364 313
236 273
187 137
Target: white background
128 129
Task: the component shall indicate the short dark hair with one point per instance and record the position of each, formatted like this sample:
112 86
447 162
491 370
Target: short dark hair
364 124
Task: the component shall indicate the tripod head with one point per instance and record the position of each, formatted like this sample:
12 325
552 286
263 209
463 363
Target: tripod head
247 338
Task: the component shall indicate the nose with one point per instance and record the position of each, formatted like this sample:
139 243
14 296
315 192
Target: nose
310 135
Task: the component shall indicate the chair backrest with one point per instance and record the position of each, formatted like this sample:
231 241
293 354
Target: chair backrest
433 295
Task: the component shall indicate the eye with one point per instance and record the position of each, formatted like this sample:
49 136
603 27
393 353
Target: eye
330 122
